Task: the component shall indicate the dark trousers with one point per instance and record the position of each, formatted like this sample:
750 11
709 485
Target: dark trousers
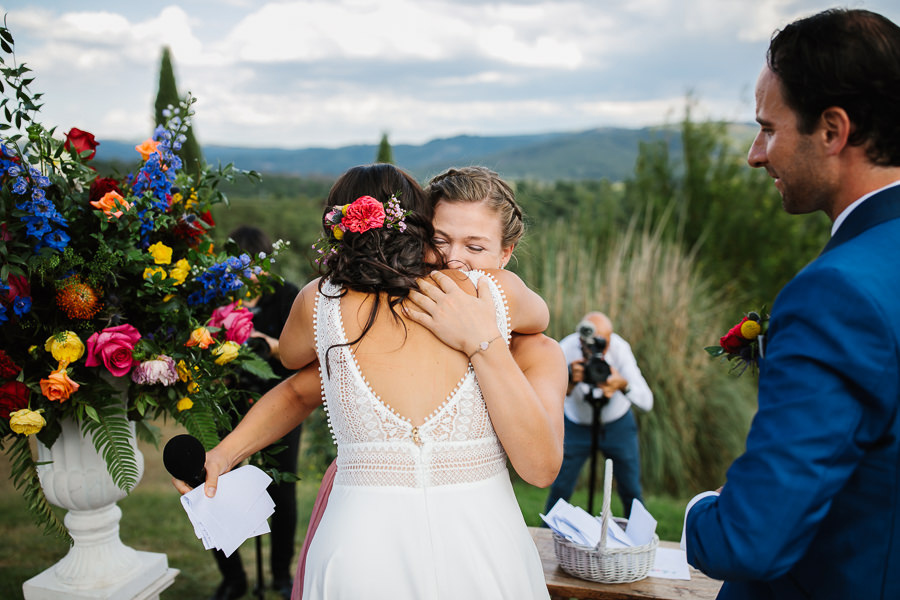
618 441
284 519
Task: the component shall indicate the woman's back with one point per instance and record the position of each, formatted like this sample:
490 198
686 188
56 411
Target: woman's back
410 369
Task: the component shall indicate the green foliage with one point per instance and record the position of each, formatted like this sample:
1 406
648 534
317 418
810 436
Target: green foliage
167 98
385 153
111 433
286 208
25 479
714 204
659 302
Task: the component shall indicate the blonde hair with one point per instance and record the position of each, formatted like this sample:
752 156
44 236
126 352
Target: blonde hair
480 184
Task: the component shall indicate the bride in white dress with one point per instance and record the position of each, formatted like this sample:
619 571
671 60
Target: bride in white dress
422 506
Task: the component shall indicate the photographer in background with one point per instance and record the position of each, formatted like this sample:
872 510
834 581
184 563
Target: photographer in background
603 375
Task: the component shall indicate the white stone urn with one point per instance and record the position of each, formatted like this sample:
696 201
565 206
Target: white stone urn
98 564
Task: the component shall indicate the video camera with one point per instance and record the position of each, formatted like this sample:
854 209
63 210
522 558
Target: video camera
596 369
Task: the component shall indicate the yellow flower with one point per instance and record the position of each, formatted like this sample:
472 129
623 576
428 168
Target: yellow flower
184 404
192 387
338 232
184 372
750 329
176 198
26 421
180 271
162 254
66 347
226 352
149 272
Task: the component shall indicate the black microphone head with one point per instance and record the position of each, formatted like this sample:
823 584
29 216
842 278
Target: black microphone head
184 458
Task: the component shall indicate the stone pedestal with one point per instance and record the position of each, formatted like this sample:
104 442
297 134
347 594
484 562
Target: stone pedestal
98 565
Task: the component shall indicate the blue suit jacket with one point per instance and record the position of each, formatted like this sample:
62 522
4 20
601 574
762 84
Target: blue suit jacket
812 508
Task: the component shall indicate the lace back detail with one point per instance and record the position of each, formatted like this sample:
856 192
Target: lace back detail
376 446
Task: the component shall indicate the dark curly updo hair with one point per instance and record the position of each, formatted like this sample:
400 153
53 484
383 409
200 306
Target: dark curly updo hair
382 261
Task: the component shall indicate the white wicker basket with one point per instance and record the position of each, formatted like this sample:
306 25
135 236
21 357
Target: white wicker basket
602 564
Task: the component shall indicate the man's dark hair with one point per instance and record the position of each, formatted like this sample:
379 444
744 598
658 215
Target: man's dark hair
845 58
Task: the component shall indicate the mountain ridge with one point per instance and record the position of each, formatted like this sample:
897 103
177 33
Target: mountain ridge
600 153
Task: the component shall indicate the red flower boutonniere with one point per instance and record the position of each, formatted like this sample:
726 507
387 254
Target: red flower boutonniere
743 343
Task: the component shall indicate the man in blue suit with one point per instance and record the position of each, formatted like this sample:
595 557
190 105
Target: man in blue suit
812 508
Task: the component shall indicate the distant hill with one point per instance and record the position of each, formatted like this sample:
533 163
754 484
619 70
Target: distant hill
595 154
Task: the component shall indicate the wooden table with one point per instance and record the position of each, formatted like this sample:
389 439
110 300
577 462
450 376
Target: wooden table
562 585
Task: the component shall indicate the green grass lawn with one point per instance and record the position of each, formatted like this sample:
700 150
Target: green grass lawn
154 521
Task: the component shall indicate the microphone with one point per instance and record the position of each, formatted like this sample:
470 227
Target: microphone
184 458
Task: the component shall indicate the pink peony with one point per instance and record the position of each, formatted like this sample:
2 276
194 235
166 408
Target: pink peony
113 346
237 322
159 370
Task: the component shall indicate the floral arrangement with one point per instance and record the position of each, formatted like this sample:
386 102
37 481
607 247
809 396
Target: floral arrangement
361 215
115 306
743 344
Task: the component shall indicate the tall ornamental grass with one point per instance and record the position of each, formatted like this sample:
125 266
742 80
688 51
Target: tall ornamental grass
652 291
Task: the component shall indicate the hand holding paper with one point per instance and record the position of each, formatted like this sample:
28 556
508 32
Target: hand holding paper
237 512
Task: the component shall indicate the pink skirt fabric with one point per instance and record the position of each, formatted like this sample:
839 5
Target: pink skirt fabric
314 518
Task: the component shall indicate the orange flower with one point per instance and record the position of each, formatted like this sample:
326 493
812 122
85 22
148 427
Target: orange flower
77 299
147 148
57 387
200 337
108 204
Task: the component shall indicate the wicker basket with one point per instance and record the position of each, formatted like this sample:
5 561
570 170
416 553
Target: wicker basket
602 564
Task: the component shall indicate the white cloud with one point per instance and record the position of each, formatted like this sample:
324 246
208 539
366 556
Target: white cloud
296 73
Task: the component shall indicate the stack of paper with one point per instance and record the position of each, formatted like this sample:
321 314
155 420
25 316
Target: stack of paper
237 512
578 526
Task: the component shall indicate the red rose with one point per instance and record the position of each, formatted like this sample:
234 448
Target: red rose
18 286
8 369
102 185
733 341
363 214
81 141
13 397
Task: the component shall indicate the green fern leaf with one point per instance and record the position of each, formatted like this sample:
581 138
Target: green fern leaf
200 423
113 440
25 479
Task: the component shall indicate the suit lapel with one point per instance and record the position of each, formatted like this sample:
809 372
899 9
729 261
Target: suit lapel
881 207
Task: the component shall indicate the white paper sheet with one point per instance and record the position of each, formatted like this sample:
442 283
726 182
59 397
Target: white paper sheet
670 563
237 512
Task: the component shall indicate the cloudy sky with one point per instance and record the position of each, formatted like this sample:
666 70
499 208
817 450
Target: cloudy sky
302 73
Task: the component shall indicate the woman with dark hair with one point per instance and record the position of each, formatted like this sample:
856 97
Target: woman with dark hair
422 505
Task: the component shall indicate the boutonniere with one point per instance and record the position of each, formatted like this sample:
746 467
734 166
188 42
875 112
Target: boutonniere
743 344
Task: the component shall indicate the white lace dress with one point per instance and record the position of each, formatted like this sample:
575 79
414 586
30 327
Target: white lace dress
417 513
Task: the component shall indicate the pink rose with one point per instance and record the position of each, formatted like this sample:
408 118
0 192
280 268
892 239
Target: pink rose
237 323
363 214
114 346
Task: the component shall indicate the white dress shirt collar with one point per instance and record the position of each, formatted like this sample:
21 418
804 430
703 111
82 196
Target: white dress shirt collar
843 216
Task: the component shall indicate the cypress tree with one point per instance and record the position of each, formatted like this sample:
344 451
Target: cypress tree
167 95
385 153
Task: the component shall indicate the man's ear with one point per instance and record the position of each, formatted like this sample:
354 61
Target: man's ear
836 127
